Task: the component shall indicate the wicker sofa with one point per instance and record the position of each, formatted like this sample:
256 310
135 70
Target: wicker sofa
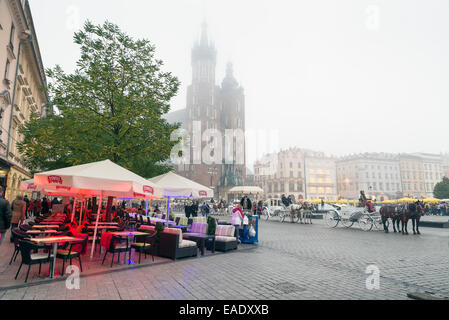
172 245
225 239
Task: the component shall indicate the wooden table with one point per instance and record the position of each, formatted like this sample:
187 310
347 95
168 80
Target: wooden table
39 232
54 241
200 239
103 227
44 226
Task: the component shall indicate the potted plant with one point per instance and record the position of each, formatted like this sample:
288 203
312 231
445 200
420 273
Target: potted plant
159 229
211 226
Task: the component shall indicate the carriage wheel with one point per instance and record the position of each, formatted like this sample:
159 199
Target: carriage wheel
332 219
347 222
366 223
379 225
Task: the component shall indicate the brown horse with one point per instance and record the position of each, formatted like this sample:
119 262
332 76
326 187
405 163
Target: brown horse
402 213
391 212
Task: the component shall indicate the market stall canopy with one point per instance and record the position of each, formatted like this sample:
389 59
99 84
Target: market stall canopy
176 186
29 186
103 178
246 190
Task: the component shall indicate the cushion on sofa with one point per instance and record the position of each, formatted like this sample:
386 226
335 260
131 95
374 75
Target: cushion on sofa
175 231
198 228
200 219
183 221
225 231
187 244
225 239
148 228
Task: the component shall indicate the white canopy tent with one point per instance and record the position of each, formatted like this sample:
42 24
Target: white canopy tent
246 190
98 179
176 186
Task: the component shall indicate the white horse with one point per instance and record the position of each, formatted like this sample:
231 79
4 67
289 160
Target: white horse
302 212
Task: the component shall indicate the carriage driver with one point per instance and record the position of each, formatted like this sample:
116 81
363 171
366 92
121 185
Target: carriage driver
365 203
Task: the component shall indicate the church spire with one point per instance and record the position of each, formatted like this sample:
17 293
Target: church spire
204 37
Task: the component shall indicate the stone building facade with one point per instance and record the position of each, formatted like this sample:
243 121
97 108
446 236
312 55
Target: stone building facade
21 94
378 174
412 175
321 176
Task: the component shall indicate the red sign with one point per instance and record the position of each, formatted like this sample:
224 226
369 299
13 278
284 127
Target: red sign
148 189
202 193
55 179
32 187
63 188
138 195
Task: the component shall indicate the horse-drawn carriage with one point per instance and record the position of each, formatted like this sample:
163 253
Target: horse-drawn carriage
349 216
274 208
293 213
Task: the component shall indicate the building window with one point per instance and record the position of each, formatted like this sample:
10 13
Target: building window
8 64
11 37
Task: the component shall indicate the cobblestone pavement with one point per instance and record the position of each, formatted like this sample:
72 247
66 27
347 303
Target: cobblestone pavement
291 262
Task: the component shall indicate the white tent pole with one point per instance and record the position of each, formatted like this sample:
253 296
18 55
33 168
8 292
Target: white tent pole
168 211
73 209
81 211
96 225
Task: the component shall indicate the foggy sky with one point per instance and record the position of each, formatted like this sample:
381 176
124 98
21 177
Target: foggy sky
340 76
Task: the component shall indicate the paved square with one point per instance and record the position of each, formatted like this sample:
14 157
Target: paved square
292 261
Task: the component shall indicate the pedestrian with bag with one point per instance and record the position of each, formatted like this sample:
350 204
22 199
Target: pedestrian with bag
5 216
18 208
237 219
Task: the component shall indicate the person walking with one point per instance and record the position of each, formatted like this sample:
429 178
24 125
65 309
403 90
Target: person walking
31 208
237 219
187 210
246 204
45 206
195 209
5 216
54 201
37 207
27 201
205 209
18 208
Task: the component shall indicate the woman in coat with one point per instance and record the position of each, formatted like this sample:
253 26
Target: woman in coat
18 208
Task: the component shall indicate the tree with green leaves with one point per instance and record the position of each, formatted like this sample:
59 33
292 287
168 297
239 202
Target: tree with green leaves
441 190
110 107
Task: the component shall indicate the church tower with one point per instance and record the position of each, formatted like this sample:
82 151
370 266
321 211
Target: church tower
214 107
233 118
203 106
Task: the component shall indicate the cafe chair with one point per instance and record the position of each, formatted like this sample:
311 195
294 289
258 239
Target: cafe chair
115 246
17 235
74 251
143 244
30 259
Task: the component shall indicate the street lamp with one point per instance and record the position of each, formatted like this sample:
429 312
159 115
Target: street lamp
25 37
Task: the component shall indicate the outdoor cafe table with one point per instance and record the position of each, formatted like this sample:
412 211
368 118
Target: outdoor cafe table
103 227
44 226
54 241
200 239
129 234
162 221
40 232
